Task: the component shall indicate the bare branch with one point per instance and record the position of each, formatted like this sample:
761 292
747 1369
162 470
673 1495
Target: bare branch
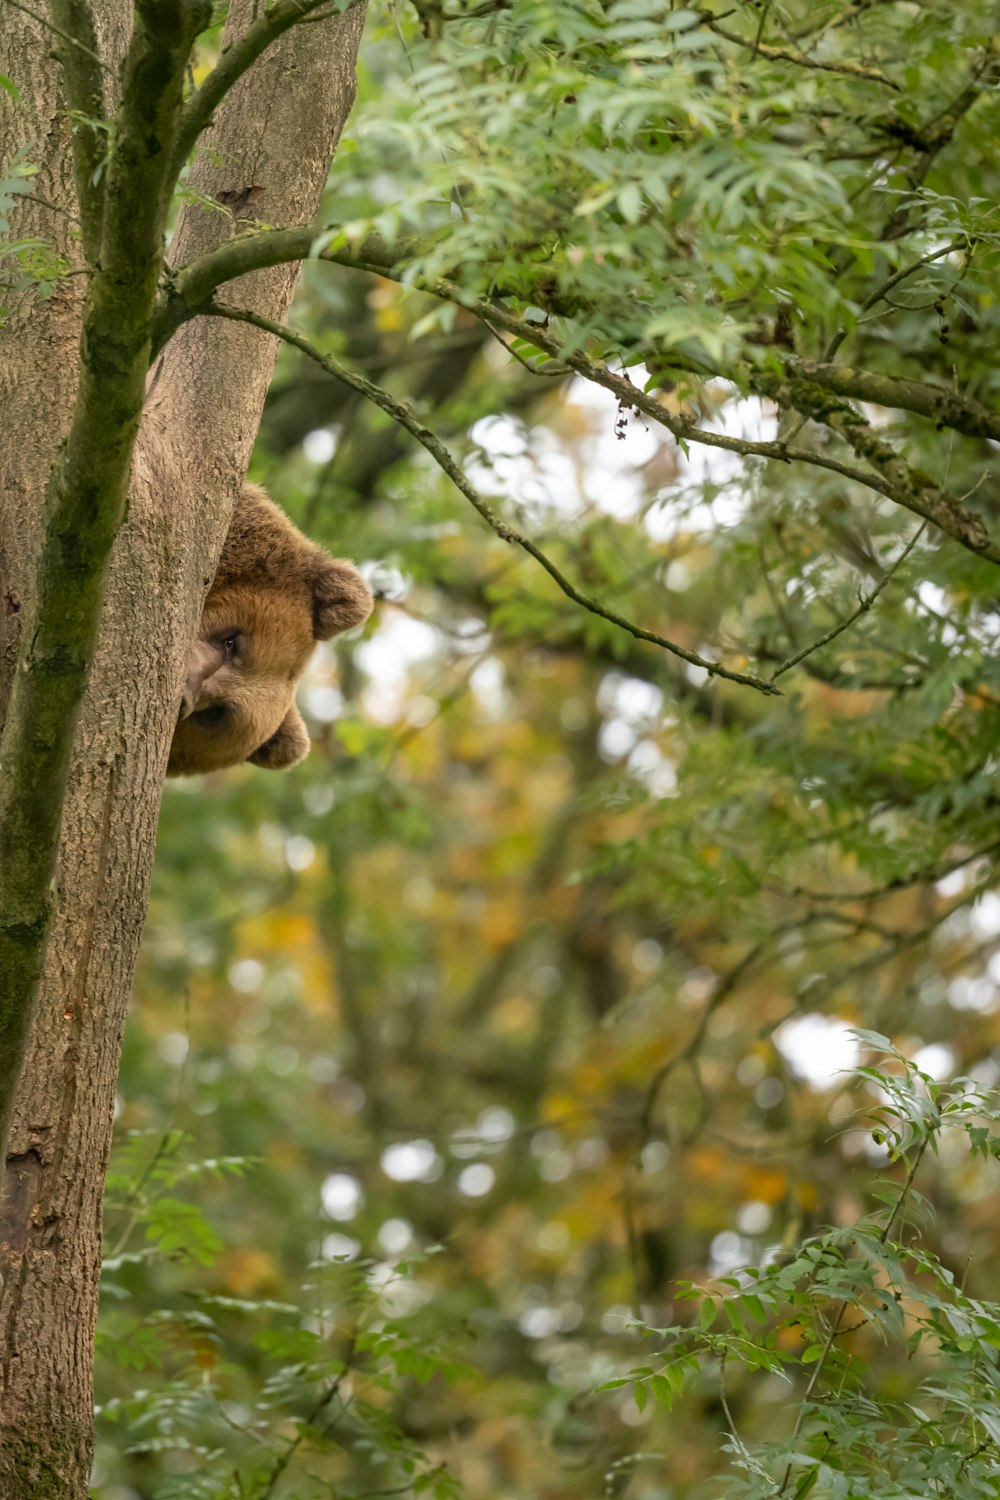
406 417
901 481
192 285
892 475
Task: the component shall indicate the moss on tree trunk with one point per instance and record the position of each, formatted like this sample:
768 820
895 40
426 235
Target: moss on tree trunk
276 128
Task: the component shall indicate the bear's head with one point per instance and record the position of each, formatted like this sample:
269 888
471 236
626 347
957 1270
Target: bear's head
274 596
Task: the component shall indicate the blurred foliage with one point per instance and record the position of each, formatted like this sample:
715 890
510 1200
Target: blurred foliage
491 1115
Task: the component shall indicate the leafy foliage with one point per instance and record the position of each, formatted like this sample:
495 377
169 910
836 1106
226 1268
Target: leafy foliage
321 1372
845 1303
32 261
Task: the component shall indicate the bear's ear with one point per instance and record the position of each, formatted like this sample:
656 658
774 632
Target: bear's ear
341 598
288 744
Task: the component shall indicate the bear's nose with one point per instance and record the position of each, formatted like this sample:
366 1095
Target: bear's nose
203 659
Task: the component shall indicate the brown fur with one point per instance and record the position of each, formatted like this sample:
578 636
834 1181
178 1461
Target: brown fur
275 595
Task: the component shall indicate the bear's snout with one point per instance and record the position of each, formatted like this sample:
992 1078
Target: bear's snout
203 660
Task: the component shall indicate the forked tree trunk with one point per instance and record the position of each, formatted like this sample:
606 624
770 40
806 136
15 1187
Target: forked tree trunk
274 134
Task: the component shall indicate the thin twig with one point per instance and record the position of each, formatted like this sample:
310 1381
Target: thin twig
887 286
800 59
867 600
284 1459
723 1397
926 875
765 11
406 417
835 1327
911 1172
807 1394
557 374
925 260
58 31
725 987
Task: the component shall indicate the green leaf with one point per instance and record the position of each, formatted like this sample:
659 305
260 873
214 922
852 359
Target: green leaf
754 1306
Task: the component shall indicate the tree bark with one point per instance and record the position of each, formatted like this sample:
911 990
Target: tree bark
272 140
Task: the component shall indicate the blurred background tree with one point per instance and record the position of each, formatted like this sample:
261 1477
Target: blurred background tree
529 997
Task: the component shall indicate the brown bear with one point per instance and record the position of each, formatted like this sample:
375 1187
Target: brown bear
275 595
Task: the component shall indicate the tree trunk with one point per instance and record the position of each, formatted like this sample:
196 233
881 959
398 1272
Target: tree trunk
274 134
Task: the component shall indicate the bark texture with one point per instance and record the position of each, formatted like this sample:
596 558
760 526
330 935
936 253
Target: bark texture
274 135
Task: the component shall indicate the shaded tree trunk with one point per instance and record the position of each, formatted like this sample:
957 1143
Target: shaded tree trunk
274 134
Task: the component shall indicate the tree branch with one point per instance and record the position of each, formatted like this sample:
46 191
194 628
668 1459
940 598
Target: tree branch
192 285
902 482
727 983
894 280
195 283
882 291
928 140
940 406
310 1420
793 55
867 600
889 475
83 71
893 477
232 64
407 418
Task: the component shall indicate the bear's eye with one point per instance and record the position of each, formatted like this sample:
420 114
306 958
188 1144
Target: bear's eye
211 718
230 646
